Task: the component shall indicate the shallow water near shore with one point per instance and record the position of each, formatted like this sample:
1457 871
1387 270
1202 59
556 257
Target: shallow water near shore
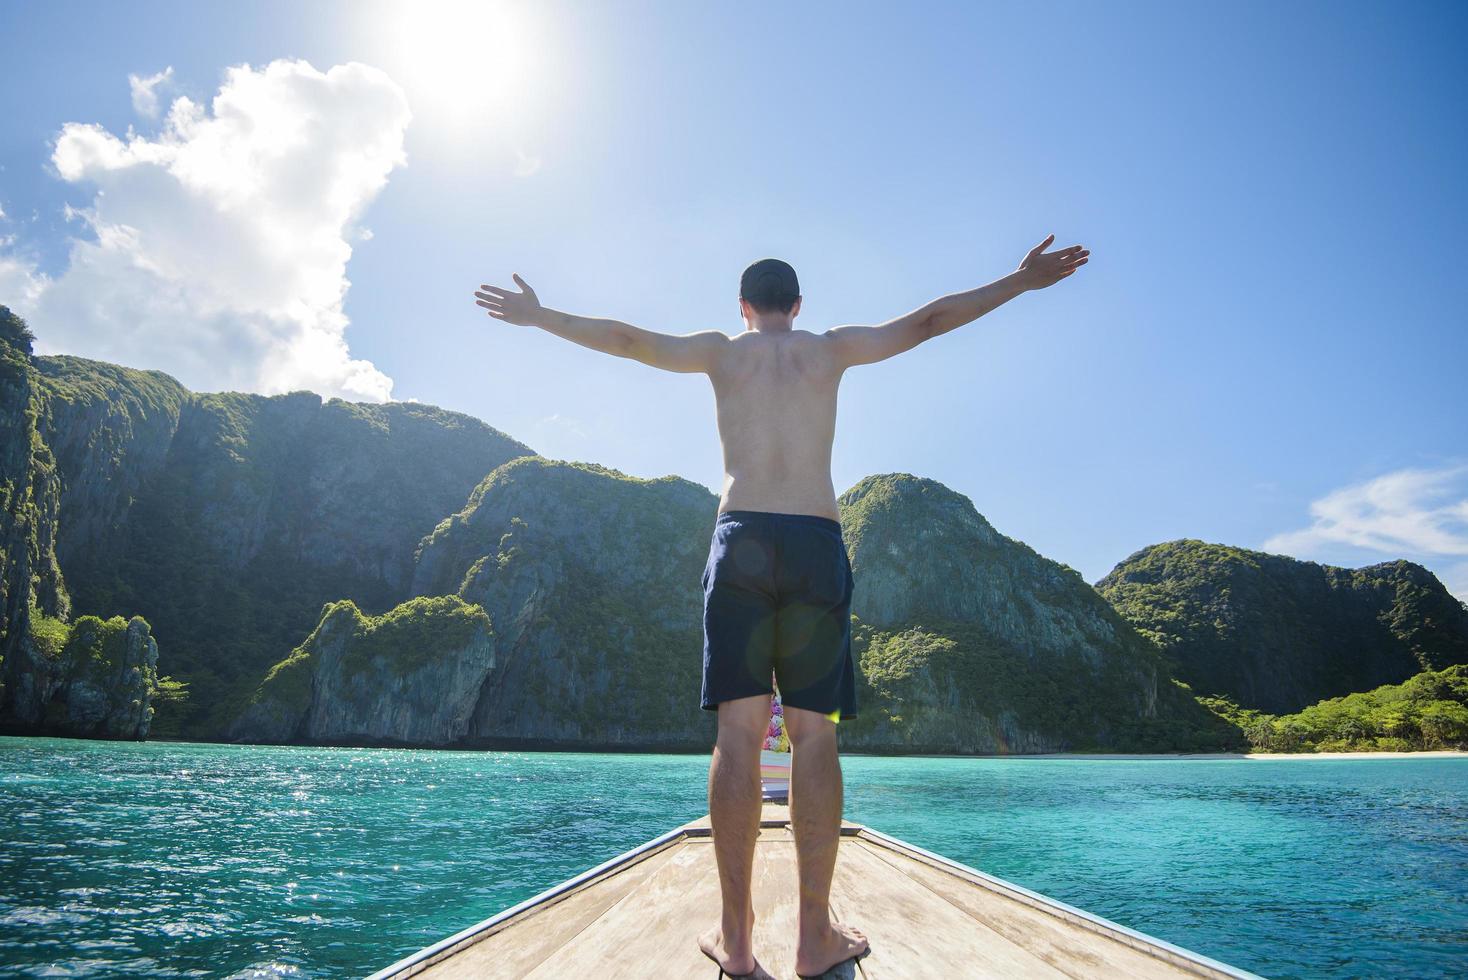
180 859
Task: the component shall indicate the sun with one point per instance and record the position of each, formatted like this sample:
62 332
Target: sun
463 64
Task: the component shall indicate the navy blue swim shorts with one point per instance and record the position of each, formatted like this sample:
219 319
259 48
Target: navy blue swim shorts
777 603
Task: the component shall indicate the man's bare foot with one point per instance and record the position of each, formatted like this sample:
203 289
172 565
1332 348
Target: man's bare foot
734 961
816 955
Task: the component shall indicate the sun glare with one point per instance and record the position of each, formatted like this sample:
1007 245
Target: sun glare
463 63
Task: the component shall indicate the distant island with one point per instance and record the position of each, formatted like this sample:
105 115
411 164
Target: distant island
284 569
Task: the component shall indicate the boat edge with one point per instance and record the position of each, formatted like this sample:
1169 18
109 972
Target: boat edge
1133 937
423 958
416 962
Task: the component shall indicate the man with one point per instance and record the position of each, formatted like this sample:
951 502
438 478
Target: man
777 585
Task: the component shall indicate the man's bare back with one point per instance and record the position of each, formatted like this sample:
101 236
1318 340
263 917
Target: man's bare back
775 395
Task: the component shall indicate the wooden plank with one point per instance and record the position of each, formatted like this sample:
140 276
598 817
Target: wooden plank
914 932
771 814
1074 951
650 932
766 835
841 913
776 894
521 943
776 901
654 930
1073 920
925 917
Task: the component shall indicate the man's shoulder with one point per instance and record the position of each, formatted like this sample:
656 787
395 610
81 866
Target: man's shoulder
809 352
796 336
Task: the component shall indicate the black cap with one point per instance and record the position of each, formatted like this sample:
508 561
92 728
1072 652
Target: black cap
770 285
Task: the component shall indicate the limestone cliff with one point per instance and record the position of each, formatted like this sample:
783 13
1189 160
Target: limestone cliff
1277 634
94 678
967 641
970 641
30 496
409 677
31 585
230 519
591 580
110 429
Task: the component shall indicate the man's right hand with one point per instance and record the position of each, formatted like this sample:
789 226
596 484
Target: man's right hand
1040 269
523 307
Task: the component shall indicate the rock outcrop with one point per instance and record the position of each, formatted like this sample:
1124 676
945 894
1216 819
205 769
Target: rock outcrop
110 429
30 495
411 676
591 580
231 521
108 676
970 641
967 640
1277 634
30 499
228 520
94 678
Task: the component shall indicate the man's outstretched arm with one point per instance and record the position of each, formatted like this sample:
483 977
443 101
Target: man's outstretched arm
867 345
686 353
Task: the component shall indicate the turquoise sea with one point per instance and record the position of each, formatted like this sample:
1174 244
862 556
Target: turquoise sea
177 859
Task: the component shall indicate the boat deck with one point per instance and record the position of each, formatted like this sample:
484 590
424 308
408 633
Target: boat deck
640 914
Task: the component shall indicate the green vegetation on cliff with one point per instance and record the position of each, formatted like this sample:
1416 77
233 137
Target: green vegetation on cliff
591 579
96 677
239 523
404 638
408 636
385 678
955 687
96 647
1428 711
110 428
970 641
245 514
48 635
1275 634
30 487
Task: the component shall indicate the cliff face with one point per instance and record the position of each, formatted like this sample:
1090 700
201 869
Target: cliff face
1277 634
30 492
969 641
409 677
104 681
591 580
94 678
109 428
230 519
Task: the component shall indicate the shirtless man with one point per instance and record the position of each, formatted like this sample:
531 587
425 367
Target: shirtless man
777 585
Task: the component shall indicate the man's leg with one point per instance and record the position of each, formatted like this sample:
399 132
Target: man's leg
734 809
815 817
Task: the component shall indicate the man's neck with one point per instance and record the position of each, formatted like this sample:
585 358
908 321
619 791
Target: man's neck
770 326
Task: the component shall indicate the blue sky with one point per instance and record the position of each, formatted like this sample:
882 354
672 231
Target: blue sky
1266 348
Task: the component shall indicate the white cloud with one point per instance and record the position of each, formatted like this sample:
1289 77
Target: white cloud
1456 579
221 244
561 436
566 423
1418 513
20 284
525 164
145 94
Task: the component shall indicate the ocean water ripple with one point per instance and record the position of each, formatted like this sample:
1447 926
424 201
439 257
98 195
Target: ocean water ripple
186 860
